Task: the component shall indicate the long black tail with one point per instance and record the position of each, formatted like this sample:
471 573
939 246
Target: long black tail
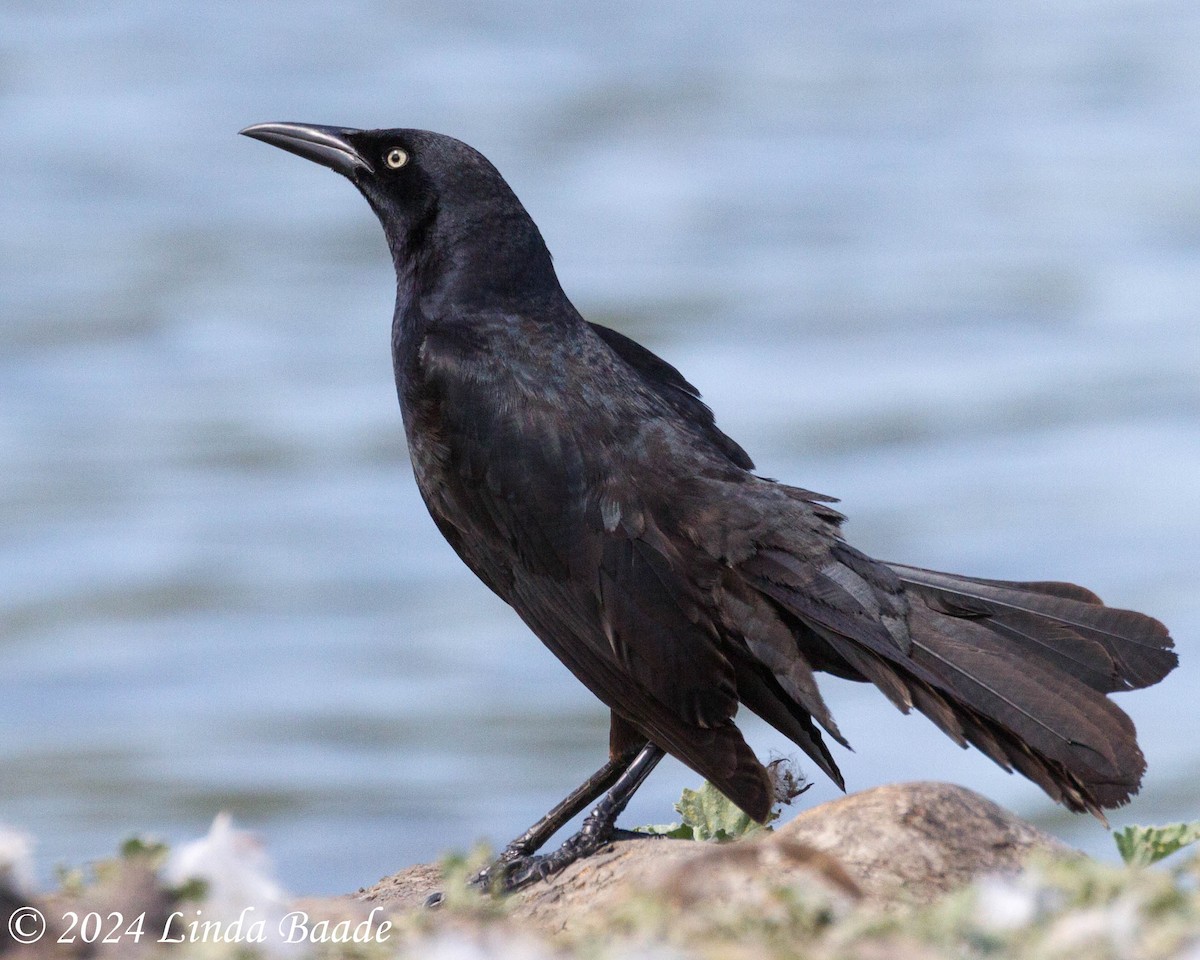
1021 670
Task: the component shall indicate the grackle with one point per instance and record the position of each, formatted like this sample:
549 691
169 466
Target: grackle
584 481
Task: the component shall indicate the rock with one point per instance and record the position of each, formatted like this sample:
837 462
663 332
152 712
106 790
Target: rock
126 887
408 888
894 844
688 878
913 842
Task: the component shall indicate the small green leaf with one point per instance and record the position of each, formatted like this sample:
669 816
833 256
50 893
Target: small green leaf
194 889
708 815
713 816
139 846
1142 846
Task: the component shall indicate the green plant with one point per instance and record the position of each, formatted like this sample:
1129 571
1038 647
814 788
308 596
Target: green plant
1142 846
707 815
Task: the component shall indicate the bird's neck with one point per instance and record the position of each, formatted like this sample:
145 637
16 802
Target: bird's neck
488 263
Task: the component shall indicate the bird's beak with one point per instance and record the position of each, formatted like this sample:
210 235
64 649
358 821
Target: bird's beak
327 146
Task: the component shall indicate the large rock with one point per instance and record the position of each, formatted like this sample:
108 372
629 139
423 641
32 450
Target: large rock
912 842
895 844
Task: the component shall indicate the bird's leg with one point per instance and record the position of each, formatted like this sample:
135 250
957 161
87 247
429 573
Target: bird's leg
532 839
598 826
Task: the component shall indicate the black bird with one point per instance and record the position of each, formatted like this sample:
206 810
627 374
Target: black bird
584 481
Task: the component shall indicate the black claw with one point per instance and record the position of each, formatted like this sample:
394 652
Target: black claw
434 900
533 870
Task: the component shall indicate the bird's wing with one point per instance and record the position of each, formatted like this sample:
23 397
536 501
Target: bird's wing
676 391
566 512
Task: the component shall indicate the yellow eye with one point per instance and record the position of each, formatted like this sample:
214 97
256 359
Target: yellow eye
396 158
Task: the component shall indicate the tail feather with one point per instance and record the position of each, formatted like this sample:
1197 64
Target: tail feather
1079 733
1018 670
1067 738
1067 618
1073 653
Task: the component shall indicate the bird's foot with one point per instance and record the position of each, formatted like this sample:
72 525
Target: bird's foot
493 878
516 868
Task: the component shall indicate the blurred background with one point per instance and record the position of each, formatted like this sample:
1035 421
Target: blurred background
941 260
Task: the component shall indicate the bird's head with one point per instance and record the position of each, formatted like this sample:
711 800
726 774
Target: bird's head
449 216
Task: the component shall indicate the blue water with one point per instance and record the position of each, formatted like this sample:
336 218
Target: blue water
941 260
